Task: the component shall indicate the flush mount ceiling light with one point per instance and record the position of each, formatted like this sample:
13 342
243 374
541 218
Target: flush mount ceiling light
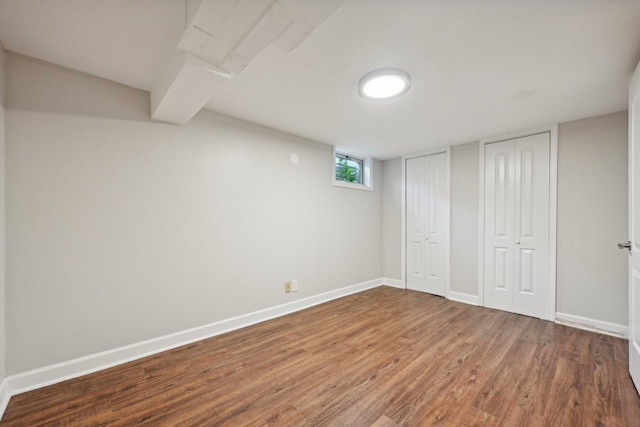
384 83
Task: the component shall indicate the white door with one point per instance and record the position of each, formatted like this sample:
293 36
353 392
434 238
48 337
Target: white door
427 223
516 227
634 228
416 202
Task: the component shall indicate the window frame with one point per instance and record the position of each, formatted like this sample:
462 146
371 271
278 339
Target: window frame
366 173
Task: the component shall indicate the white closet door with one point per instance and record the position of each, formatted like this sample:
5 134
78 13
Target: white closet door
427 208
416 203
499 225
531 263
437 223
516 230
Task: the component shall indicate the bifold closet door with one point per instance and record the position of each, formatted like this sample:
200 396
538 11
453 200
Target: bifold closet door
516 228
427 222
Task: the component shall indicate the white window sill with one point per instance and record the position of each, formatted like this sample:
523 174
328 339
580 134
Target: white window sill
351 185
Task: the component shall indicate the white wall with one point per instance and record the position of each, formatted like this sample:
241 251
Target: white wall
122 229
392 218
464 218
592 218
2 214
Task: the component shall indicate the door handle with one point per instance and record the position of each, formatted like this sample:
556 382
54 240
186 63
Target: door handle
625 245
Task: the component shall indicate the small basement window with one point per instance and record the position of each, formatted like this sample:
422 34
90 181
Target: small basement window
349 169
351 172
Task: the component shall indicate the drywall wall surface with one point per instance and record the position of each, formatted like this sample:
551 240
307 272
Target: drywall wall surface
392 218
125 230
464 218
36 85
2 213
592 218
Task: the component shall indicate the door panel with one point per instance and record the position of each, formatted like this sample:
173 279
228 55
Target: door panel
432 201
634 228
433 253
527 205
516 225
427 208
532 225
503 194
416 195
498 231
527 270
500 269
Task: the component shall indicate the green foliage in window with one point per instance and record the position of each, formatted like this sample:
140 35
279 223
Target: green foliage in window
346 172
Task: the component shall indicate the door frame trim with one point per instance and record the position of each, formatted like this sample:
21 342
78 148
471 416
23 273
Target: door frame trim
553 209
403 233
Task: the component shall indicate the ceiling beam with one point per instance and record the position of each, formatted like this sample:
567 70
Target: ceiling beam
221 39
183 87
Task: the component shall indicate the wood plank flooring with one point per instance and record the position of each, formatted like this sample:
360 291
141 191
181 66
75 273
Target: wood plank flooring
384 357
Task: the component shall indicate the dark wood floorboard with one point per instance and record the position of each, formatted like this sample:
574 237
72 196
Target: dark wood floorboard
385 357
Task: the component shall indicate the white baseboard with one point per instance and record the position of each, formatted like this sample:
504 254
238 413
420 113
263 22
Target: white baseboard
613 329
465 298
4 396
59 372
395 283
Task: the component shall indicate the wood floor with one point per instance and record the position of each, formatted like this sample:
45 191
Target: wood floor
384 357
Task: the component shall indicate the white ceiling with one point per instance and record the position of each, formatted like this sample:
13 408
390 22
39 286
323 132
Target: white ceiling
467 59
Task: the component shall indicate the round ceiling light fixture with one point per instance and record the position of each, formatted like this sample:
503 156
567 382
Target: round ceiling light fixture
384 83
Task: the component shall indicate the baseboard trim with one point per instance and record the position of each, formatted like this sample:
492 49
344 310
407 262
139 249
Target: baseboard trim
395 283
4 396
462 297
593 325
41 377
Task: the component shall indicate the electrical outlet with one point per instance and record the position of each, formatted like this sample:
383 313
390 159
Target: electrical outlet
294 285
287 287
